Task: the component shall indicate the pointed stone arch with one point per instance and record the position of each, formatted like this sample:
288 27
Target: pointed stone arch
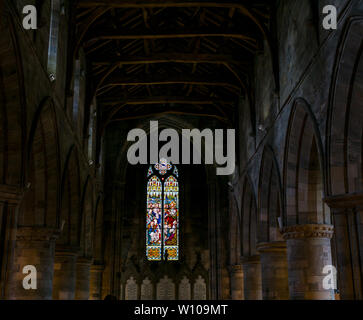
87 220
40 205
344 161
71 201
270 203
248 219
98 245
12 105
304 175
344 129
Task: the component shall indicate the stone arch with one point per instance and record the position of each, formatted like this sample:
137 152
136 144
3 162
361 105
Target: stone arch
234 232
199 288
118 195
12 106
270 204
147 289
166 288
248 219
98 246
184 288
86 220
131 289
40 205
345 160
70 201
303 171
344 129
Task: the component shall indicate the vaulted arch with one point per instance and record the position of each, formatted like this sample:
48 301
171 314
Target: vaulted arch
12 106
344 130
345 159
303 169
40 206
234 231
71 202
98 236
87 220
269 198
248 220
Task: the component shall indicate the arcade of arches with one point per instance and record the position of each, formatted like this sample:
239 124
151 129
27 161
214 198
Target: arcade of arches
72 206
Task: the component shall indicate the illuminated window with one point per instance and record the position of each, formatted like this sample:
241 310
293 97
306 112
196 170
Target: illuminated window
53 38
162 215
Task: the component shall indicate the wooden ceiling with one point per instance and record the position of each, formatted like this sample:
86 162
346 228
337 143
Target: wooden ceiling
179 57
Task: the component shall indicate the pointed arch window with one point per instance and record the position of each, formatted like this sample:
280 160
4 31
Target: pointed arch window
53 38
162 215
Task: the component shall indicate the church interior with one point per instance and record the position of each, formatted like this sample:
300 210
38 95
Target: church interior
286 225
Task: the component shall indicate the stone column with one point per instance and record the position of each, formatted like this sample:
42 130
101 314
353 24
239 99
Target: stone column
237 290
34 246
275 285
10 197
252 277
96 282
308 252
347 218
83 278
64 283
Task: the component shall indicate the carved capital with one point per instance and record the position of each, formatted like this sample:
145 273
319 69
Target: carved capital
308 231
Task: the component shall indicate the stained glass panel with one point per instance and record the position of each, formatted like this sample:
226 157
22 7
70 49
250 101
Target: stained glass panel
171 218
162 217
163 166
149 172
153 219
175 172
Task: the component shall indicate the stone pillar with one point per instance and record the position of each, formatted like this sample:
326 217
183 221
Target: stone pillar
83 278
308 252
237 290
10 197
347 218
275 285
34 246
252 277
96 282
64 283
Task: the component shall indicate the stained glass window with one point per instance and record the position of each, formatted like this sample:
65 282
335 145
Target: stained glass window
162 216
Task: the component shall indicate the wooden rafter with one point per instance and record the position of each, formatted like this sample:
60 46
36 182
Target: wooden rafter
168 58
193 114
143 34
211 80
163 100
172 55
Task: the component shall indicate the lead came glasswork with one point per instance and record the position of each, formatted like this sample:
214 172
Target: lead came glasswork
162 217
153 219
171 217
